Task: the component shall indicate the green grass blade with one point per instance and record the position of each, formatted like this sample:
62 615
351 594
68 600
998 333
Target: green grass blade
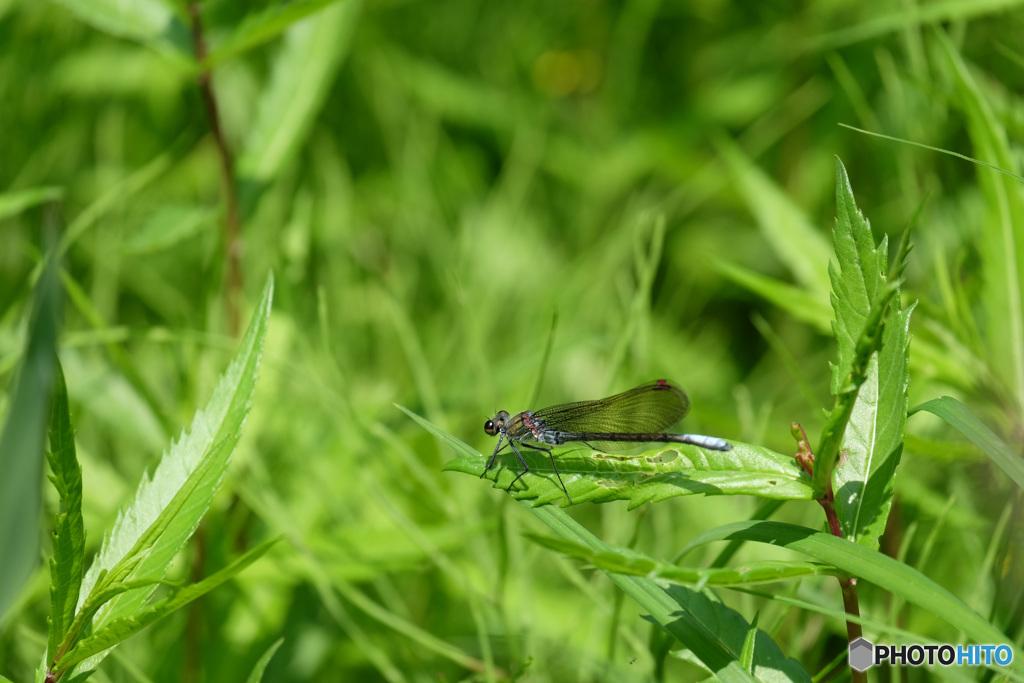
22 443
747 654
904 18
150 22
632 563
207 445
261 27
713 633
303 72
115 197
1000 243
872 566
965 422
461 448
67 562
798 302
169 226
13 203
256 675
795 240
950 152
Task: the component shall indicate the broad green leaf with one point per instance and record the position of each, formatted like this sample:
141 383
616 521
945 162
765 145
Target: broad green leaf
119 629
68 560
872 566
13 203
625 561
965 422
834 433
256 675
796 241
22 443
205 446
652 476
265 25
1000 242
873 441
870 377
857 275
302 75
766 661
150 22
873 438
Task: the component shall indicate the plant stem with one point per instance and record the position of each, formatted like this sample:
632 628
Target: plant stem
848 585
232 230
232 294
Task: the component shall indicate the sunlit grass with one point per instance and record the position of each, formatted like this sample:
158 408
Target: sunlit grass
431 185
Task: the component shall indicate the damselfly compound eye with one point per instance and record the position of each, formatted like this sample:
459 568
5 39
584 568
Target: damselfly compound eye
490 428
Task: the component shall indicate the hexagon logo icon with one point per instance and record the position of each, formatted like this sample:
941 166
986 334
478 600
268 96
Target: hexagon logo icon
862 654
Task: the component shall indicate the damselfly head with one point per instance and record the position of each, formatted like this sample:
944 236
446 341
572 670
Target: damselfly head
496 424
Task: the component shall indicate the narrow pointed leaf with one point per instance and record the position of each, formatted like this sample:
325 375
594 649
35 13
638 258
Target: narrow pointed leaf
13 203
205 447
798 302
796 241
303 73
22 443
262 26
965 422
256 675
150 22
625 561
1000 242
118 630
67 562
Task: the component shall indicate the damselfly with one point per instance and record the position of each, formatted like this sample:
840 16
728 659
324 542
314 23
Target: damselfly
639 415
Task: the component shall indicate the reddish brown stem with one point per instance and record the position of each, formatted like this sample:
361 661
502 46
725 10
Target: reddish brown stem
232 296
848 585
232 230
851 603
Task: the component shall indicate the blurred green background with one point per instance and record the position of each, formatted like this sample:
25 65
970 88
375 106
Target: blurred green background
433 184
